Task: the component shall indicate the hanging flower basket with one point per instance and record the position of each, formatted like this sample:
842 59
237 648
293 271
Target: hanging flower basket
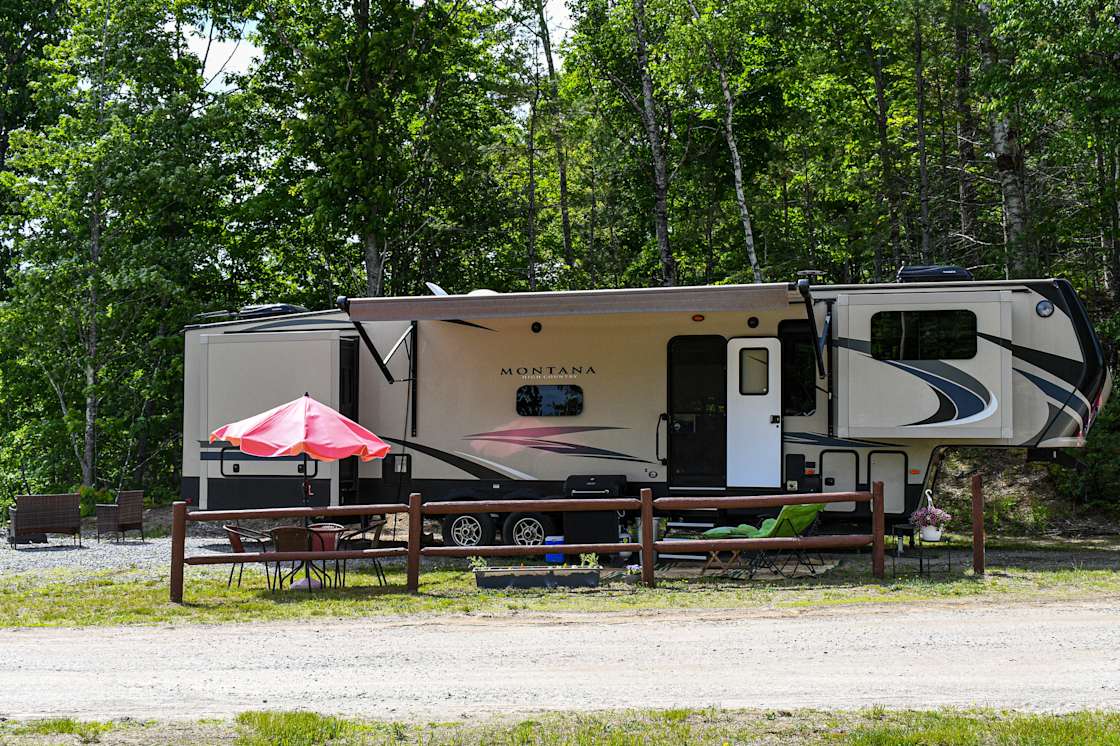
930 521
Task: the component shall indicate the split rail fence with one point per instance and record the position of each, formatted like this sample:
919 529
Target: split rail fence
647 507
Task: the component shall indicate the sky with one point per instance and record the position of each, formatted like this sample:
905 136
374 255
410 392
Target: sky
236 57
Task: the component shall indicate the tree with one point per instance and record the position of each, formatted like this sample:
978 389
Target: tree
110 228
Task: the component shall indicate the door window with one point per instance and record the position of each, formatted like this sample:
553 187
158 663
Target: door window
754 371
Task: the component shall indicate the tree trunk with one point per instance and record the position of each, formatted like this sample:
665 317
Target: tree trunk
557 132
966 128
1008 158
92 366
923 164
531 189
890 192
733 149
657 149
374 258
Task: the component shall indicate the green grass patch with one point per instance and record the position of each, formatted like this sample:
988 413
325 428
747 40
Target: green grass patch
68 598
86 731
71 598
683 727
676 727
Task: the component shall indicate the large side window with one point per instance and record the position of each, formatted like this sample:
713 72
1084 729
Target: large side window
549 401
799 369
923 335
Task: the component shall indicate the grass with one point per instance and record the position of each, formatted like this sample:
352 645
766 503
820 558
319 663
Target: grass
678 727
65 598
86 731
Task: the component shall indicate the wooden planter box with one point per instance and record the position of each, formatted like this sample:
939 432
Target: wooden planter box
537 577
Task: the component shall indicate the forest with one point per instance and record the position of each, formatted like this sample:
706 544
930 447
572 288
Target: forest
371 147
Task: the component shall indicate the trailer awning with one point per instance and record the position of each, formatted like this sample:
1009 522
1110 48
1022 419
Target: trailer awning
704 299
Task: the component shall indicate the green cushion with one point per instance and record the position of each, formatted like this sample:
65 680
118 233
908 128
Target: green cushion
792 521
742 531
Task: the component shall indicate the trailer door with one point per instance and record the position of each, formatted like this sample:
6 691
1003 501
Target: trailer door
754 412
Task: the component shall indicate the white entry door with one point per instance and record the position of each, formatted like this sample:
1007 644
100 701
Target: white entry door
754 413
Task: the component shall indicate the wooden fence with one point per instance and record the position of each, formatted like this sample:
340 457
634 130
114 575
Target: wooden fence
647 546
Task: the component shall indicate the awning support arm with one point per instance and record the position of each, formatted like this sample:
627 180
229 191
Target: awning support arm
407 332
373 351
807 294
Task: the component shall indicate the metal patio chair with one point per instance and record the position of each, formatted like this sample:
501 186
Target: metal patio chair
238 537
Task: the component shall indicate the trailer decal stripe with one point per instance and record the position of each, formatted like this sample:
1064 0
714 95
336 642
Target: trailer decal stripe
523 437
967 403
1056 392
1064 368
470 467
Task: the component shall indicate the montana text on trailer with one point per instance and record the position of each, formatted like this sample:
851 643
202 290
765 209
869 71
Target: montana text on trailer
736 389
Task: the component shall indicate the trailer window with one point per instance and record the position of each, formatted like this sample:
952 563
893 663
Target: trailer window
799 374
923 335
549 401
754 371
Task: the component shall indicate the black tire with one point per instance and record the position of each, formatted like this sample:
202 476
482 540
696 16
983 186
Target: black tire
468 530
528 529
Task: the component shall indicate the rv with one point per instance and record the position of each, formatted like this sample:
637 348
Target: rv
737 389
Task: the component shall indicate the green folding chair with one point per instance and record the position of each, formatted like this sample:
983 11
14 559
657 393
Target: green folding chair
793 520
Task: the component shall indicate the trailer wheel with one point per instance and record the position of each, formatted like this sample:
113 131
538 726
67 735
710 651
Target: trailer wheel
468 530
527 529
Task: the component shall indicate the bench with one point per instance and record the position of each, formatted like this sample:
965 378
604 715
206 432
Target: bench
34 516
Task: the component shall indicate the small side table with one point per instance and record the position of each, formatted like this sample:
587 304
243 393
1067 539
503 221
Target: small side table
932 556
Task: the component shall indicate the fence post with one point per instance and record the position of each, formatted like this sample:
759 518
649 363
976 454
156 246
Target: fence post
415 539
878 528
648 558
178 541
977 525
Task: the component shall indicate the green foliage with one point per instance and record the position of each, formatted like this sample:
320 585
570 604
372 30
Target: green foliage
90 497
371 147
1098 484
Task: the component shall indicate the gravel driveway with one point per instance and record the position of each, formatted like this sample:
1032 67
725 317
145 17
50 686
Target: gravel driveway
61 552
1041 657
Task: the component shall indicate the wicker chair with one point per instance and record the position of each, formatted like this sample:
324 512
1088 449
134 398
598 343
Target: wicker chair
34 516
126 514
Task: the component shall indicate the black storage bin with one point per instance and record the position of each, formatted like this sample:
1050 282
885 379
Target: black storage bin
933 273
592 527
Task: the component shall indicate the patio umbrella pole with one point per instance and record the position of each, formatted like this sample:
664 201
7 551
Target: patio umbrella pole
306 520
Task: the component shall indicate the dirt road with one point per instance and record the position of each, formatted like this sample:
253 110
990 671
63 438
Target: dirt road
1047 657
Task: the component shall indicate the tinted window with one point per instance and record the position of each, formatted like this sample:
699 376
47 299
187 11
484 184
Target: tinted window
549 401
923 335
754 371
799 375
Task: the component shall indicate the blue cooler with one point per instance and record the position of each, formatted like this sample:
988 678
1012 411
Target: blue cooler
554 558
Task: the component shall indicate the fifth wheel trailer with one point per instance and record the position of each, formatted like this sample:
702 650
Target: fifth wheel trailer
734 389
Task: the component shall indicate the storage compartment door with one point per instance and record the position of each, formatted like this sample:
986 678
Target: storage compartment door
890 469
839 473
754 413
